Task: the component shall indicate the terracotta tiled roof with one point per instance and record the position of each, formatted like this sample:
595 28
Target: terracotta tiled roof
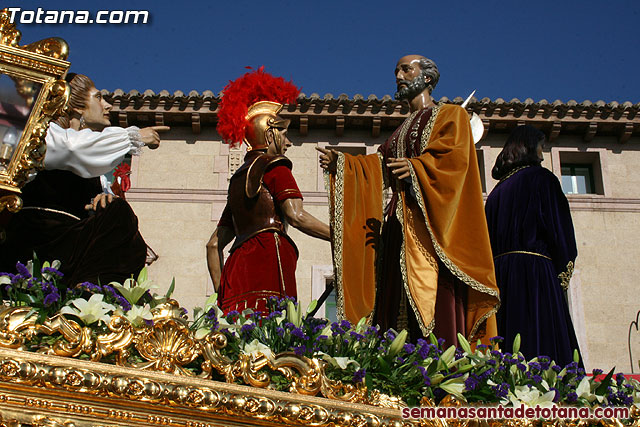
385 105
329 111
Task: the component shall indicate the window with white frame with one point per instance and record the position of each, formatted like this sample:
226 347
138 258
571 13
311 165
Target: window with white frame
577 179
581 172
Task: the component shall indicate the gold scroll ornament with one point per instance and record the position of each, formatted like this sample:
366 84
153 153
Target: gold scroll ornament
36 70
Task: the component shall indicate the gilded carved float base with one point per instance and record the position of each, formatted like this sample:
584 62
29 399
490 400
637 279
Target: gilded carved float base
66 383
53 391
38 389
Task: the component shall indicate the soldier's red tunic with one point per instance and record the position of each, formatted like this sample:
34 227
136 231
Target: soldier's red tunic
263 257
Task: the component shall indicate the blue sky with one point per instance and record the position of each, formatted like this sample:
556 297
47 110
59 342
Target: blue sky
504 49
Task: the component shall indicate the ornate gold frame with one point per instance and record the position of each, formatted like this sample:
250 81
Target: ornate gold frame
54 387
44 63
65 383
43 390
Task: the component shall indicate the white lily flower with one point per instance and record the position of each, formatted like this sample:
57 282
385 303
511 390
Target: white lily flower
146 284
5 280
280 318
133 290
327 331
436 379
255 347
201 333
54 264
584 390
447 356
223 324
344 362
138 314
90 311
531 397
29 266
294 314
455 387
398 343
129 290
339 362
212 302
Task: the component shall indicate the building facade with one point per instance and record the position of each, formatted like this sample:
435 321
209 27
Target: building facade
179 191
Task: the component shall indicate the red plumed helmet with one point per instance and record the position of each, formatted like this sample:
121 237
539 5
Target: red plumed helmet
239 95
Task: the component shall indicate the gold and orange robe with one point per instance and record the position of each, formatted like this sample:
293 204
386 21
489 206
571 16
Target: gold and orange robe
443 260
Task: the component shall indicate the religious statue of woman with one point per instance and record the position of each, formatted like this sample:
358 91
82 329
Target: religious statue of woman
67 213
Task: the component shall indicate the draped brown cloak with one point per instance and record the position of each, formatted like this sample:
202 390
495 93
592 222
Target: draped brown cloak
440 208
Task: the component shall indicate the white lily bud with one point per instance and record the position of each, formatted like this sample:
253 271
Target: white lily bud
464 344
516 344
398 343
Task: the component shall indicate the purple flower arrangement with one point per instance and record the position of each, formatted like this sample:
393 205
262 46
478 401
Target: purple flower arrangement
39 287
33 285
362 354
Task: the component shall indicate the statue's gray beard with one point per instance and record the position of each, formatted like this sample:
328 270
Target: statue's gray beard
412 89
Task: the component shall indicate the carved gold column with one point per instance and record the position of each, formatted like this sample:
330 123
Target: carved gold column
36 72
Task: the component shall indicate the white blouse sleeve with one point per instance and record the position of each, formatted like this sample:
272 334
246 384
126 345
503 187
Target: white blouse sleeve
87 153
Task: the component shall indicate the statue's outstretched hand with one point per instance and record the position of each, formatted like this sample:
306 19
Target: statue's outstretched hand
328 159
150 137
399 167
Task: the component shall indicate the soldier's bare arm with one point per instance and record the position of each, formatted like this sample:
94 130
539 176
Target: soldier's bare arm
299 218
220 238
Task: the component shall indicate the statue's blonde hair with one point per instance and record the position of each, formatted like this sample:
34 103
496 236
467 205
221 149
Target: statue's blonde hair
80 86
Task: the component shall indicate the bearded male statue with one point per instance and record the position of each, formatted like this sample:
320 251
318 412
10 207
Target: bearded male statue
430 268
